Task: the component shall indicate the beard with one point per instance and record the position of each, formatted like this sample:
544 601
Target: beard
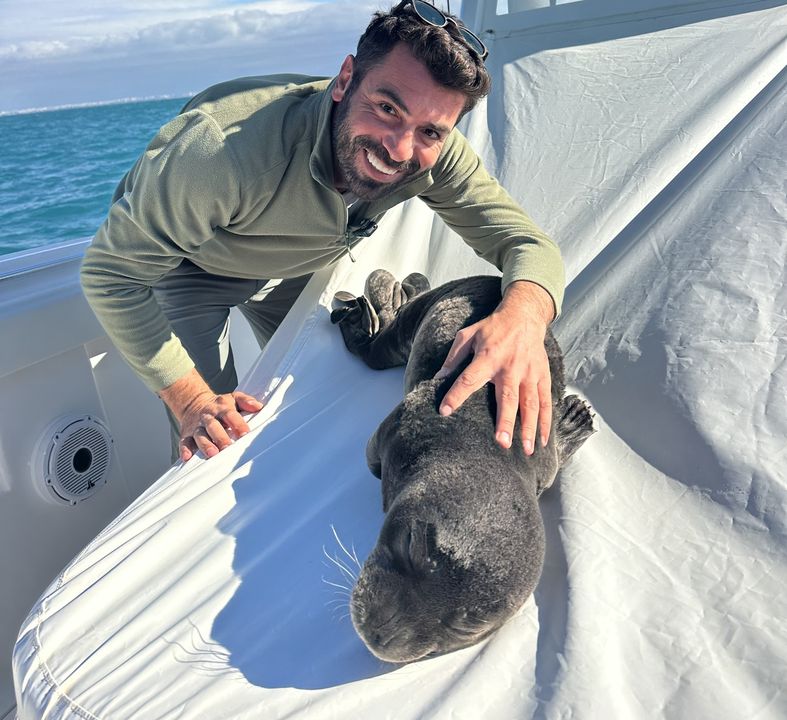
345 151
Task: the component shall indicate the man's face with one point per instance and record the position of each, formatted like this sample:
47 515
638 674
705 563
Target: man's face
391 125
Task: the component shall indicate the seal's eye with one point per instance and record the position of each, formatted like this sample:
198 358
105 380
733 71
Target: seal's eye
401 550
413 548
422 547
465 626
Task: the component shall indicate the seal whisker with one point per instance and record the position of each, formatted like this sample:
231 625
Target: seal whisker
338 602
345 570
353 577
340 605
344 575
344 595
353 556
336 585
335 559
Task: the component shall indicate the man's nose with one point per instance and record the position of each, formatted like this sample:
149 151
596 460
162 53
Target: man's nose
400 145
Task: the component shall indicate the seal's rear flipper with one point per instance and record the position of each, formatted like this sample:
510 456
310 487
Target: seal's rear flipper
379 326
356 318
415 284
387 295
574 426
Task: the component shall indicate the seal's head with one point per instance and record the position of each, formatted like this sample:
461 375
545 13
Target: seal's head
441 578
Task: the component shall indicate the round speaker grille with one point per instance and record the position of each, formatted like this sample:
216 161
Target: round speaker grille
77 458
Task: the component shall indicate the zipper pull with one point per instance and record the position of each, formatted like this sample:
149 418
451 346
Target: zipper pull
347 244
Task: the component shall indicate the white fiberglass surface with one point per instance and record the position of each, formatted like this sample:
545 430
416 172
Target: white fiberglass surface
654 152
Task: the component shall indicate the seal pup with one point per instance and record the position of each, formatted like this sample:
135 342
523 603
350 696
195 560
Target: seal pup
462 544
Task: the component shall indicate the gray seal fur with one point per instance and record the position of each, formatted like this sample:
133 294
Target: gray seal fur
462 544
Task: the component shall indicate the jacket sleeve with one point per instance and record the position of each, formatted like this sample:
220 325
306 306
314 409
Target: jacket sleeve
477 207
181 188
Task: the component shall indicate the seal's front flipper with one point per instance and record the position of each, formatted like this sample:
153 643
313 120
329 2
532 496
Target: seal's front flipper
387 295
574 426
373 460
344 303
381 440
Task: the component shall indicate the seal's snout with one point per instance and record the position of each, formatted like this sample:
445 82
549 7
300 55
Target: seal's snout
389 610
412 601
398 640
383 634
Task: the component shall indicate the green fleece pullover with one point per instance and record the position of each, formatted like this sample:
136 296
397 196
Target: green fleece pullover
241 184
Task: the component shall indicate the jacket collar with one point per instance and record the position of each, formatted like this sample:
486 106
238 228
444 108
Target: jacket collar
321 159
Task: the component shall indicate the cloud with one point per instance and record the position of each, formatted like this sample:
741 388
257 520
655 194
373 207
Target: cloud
171 48
54 19
203 27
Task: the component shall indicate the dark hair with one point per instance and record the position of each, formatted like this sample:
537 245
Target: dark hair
449 60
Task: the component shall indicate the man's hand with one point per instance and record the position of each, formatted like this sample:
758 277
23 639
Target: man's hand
508 350
208 422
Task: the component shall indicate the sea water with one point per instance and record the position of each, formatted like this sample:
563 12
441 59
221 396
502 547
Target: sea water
59 168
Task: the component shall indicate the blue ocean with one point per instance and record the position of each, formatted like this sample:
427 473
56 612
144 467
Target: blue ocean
59 167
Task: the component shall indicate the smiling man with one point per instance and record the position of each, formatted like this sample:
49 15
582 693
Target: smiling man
261 181
394 126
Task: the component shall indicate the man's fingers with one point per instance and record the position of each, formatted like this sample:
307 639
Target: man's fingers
216 432
545 410
534 405
246 403
204 442
529 410
213 427
187 448
472 378
535 408
507 407
460 349
234 422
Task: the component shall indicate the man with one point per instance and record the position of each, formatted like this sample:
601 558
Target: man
276 177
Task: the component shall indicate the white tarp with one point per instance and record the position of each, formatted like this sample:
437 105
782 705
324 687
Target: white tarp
654 151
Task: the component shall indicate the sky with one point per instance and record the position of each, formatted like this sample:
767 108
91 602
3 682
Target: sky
63 52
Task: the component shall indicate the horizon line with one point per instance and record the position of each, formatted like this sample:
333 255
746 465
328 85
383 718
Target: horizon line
96 103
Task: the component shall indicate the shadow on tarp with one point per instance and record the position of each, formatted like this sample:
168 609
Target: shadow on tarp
287 624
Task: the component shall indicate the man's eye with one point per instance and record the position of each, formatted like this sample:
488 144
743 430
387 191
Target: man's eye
432 134
389 109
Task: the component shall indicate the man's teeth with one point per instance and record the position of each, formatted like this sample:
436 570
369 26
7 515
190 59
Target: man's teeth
378 164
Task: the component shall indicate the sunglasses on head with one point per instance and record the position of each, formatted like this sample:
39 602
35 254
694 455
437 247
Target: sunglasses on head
437 18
